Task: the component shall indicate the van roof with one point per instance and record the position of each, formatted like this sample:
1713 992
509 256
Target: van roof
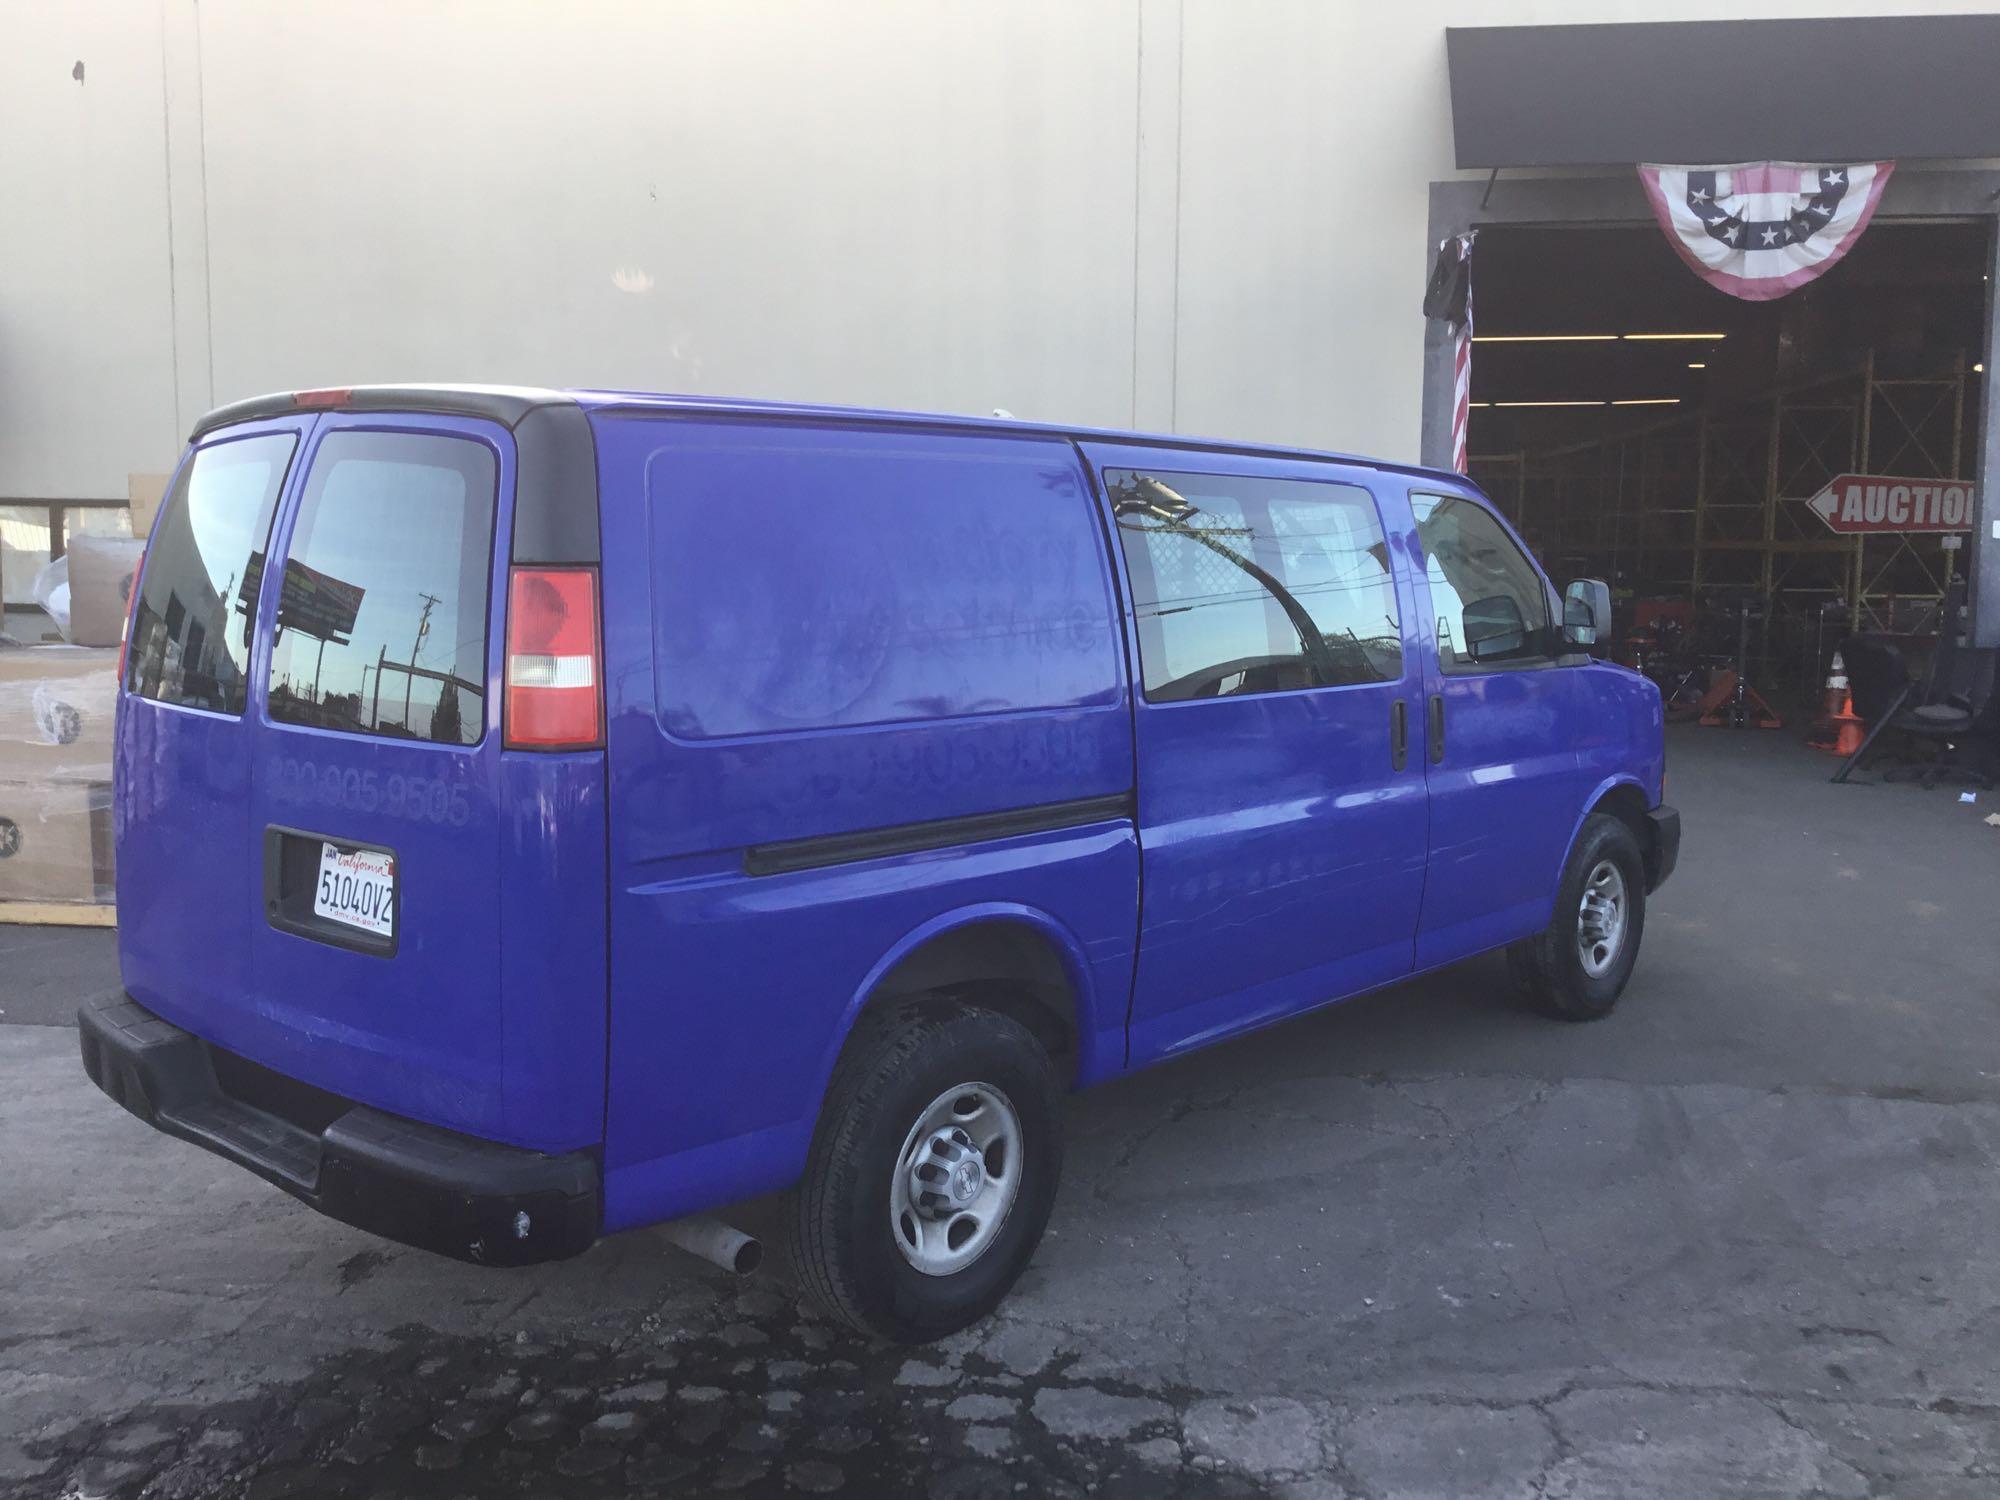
508 404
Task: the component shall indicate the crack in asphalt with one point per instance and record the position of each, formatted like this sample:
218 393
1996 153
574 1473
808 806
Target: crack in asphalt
760 1399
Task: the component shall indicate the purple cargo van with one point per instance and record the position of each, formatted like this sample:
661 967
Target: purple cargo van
545 813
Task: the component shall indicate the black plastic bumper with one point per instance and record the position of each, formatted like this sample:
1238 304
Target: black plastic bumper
1665 852
454 1194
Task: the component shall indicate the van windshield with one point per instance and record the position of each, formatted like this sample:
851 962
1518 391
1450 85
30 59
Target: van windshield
198 599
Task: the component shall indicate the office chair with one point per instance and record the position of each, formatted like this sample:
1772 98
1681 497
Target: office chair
1939 714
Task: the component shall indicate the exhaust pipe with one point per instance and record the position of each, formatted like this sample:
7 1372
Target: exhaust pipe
717 1243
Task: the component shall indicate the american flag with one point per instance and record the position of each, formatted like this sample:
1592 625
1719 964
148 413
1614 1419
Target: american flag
1758 230
1448 298
1461 368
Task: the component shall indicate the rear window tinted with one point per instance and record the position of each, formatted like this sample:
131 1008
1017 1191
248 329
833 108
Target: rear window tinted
382 623
198 600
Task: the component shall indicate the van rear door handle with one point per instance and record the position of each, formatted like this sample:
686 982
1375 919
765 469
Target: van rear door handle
1399 735
1437 727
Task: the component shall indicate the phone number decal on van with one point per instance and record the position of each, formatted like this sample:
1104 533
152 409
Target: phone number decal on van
420 799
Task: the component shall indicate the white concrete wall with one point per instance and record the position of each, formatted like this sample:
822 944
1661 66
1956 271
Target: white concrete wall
1205 215
86 282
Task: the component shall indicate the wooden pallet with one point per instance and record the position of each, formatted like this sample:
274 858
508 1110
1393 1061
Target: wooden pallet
58 914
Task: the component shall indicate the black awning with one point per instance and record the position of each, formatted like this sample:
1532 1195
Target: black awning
1838 90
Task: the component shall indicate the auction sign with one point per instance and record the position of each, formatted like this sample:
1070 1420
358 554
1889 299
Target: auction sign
1861 503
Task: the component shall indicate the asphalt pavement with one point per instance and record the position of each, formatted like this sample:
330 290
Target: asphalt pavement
1737 1240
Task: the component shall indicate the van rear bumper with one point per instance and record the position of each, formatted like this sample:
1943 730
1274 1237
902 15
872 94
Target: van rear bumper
454 1194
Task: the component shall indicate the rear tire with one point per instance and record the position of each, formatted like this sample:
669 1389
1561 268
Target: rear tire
954 1106
1576 968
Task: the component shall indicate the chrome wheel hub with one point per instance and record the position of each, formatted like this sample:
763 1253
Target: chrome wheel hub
956 1178
1600 919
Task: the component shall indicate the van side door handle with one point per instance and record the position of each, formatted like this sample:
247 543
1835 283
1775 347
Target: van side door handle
1399 735
1437 727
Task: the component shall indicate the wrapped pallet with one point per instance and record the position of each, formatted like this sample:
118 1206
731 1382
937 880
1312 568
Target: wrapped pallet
56 707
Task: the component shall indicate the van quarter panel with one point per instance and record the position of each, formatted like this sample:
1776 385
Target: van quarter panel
1620 740
836 630
1620 733
552 988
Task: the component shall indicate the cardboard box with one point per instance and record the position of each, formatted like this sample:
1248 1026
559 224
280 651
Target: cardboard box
56 712
57 705
101 571
145 491
55 841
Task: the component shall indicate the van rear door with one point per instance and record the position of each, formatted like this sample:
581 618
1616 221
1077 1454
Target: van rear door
371 843
375 785
187 893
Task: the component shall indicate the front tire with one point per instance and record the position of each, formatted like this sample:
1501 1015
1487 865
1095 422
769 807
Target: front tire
1577 967
932 1173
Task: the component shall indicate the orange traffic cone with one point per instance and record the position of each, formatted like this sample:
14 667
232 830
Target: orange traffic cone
1827 728
1836 687
1849 739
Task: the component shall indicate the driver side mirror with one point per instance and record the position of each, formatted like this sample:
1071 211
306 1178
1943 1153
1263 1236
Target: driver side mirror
1586 612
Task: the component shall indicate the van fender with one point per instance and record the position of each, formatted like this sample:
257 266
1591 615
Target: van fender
1603 789
1097 1056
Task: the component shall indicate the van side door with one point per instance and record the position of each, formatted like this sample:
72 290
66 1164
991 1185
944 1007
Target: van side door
1500 732
1280 792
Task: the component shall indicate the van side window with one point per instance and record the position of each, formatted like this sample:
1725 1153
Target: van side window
1248 585
197 604
810 579
382 623
1491 604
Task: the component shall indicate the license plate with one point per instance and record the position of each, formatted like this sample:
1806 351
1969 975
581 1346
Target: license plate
357 888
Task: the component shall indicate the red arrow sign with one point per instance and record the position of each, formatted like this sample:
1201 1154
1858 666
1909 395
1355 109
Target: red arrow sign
1878 502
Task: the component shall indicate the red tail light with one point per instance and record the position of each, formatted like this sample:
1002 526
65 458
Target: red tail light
555 660
131 614
321 400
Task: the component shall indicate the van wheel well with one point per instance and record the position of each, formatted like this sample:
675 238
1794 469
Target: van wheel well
1627 804
1006 967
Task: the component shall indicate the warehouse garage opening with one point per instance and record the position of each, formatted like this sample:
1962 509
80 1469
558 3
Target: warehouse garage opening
1756 479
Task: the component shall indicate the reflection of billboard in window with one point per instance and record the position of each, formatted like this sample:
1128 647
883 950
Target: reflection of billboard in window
382 620
320 606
